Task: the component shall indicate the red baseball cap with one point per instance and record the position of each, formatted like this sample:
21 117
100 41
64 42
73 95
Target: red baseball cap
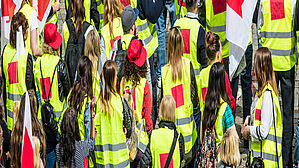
51 36
136 53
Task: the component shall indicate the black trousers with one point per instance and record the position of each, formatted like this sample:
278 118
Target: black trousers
286 80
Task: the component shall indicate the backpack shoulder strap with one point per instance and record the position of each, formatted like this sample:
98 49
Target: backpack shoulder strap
70 26
171 149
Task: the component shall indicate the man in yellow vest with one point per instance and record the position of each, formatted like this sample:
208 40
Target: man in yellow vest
194 38
275 23
91 13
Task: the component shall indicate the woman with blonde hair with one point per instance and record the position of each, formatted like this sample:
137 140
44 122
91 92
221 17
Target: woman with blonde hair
53 85
17 133
178 80
163 138
263 127
112 29
92 51
229 149
38 163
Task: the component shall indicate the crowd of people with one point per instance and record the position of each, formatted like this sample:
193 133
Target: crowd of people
98 98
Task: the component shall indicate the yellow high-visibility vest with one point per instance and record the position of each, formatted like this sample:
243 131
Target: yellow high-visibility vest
277 33
268 144
180 90
15 78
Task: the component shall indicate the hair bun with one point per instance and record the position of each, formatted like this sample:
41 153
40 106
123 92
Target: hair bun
209 38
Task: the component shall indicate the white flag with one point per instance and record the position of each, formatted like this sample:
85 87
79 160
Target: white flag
239 15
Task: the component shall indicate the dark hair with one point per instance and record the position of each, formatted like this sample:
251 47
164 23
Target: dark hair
78 15
212 45
216 90
82 85
109 72
17 20
69 135
133 72
17 134
263 69
191 4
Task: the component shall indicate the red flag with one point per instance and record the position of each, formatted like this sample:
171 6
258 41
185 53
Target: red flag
27 160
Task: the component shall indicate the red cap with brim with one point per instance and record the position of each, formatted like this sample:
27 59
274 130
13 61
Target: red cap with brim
51 36
136 53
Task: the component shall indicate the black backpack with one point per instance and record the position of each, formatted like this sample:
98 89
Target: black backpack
75 48
119 59
48 119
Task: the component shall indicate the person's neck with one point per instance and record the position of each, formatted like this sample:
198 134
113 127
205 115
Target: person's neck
214 61
192 11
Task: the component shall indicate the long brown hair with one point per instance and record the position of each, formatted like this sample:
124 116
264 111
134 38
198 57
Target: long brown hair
109 72
18 20
175 53
78 15
82 85
216 91
264 70
17 133
112 9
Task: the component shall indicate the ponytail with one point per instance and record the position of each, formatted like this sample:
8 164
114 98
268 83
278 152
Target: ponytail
212 45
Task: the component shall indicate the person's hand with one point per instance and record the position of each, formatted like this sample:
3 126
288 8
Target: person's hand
56 6
245 132
93 103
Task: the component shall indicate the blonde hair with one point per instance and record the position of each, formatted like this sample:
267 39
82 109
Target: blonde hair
229 148
36 149
47 49
167 109
93 49
112 9
175 53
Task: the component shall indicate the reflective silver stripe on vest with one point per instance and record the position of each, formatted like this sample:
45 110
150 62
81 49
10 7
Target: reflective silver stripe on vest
139 126
187 138
120 165
149 39
10 114
266 156
99 2
197 71
111 147
272 138
217 29
143 26
14 97
142 146
101 16
282 52
298 42
277 34
183 121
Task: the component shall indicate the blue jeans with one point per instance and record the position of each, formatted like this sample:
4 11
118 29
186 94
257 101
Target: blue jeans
51 159
161 29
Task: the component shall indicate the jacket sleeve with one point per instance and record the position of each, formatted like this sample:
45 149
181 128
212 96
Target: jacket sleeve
193 87
64 84
201 48
230 93
29 74
146 159
150 10
127 120
202 13
94 14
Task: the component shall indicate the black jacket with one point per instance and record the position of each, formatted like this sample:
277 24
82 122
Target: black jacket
64 84
150 9
146 160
